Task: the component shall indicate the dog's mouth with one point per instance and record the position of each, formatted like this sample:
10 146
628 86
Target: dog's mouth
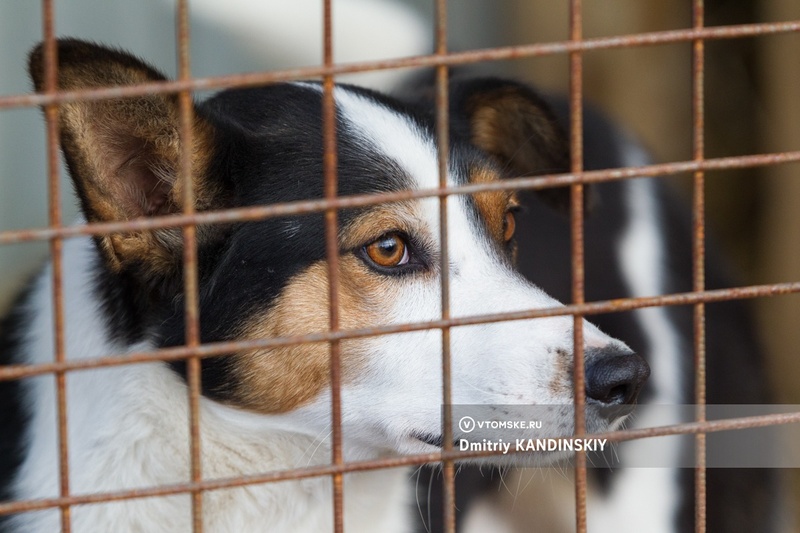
429 438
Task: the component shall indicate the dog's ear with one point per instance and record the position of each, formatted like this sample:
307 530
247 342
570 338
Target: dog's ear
515 126
123 154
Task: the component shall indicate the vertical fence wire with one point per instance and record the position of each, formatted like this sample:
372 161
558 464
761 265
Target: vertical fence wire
190 282
443 149
577 251
330 161
56 251
698 268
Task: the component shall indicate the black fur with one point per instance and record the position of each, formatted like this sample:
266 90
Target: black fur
13 413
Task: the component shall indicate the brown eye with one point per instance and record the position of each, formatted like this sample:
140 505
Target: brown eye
509 225
388 251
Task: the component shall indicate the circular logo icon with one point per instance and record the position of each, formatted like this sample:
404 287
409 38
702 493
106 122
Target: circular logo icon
466 424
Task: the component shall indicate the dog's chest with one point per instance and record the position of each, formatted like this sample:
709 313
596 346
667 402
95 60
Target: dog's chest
372 503
142 438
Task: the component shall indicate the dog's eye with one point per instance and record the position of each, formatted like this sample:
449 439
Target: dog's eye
509 225
390 250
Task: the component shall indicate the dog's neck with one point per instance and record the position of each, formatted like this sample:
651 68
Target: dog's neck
135 418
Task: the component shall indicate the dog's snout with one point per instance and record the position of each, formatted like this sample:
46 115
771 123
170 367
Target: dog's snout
614 376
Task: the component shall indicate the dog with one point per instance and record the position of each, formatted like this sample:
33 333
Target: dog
269 409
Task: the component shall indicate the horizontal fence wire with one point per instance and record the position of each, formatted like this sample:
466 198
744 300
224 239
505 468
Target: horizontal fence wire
450 59
688 428
193 351
302 207
223 348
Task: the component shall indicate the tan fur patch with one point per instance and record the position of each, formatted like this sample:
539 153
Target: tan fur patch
515 128
509 126
492 205
111 146
281 379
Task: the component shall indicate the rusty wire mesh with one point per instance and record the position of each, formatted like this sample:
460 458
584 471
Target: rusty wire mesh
193 351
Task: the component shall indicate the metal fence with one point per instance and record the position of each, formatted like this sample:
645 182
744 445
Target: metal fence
193 351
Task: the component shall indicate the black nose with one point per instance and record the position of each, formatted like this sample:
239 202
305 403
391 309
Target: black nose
614 376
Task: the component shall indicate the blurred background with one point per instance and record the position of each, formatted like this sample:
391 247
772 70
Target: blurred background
752 102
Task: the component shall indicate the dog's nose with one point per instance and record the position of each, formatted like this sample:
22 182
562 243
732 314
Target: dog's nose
614 376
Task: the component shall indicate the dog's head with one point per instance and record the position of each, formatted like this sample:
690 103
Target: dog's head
270 278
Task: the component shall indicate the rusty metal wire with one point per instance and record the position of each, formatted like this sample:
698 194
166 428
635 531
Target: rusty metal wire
56 251
190 281
577 251
698 262
194 351
434 60
687 428
250 214
223 348
443 150
332 256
